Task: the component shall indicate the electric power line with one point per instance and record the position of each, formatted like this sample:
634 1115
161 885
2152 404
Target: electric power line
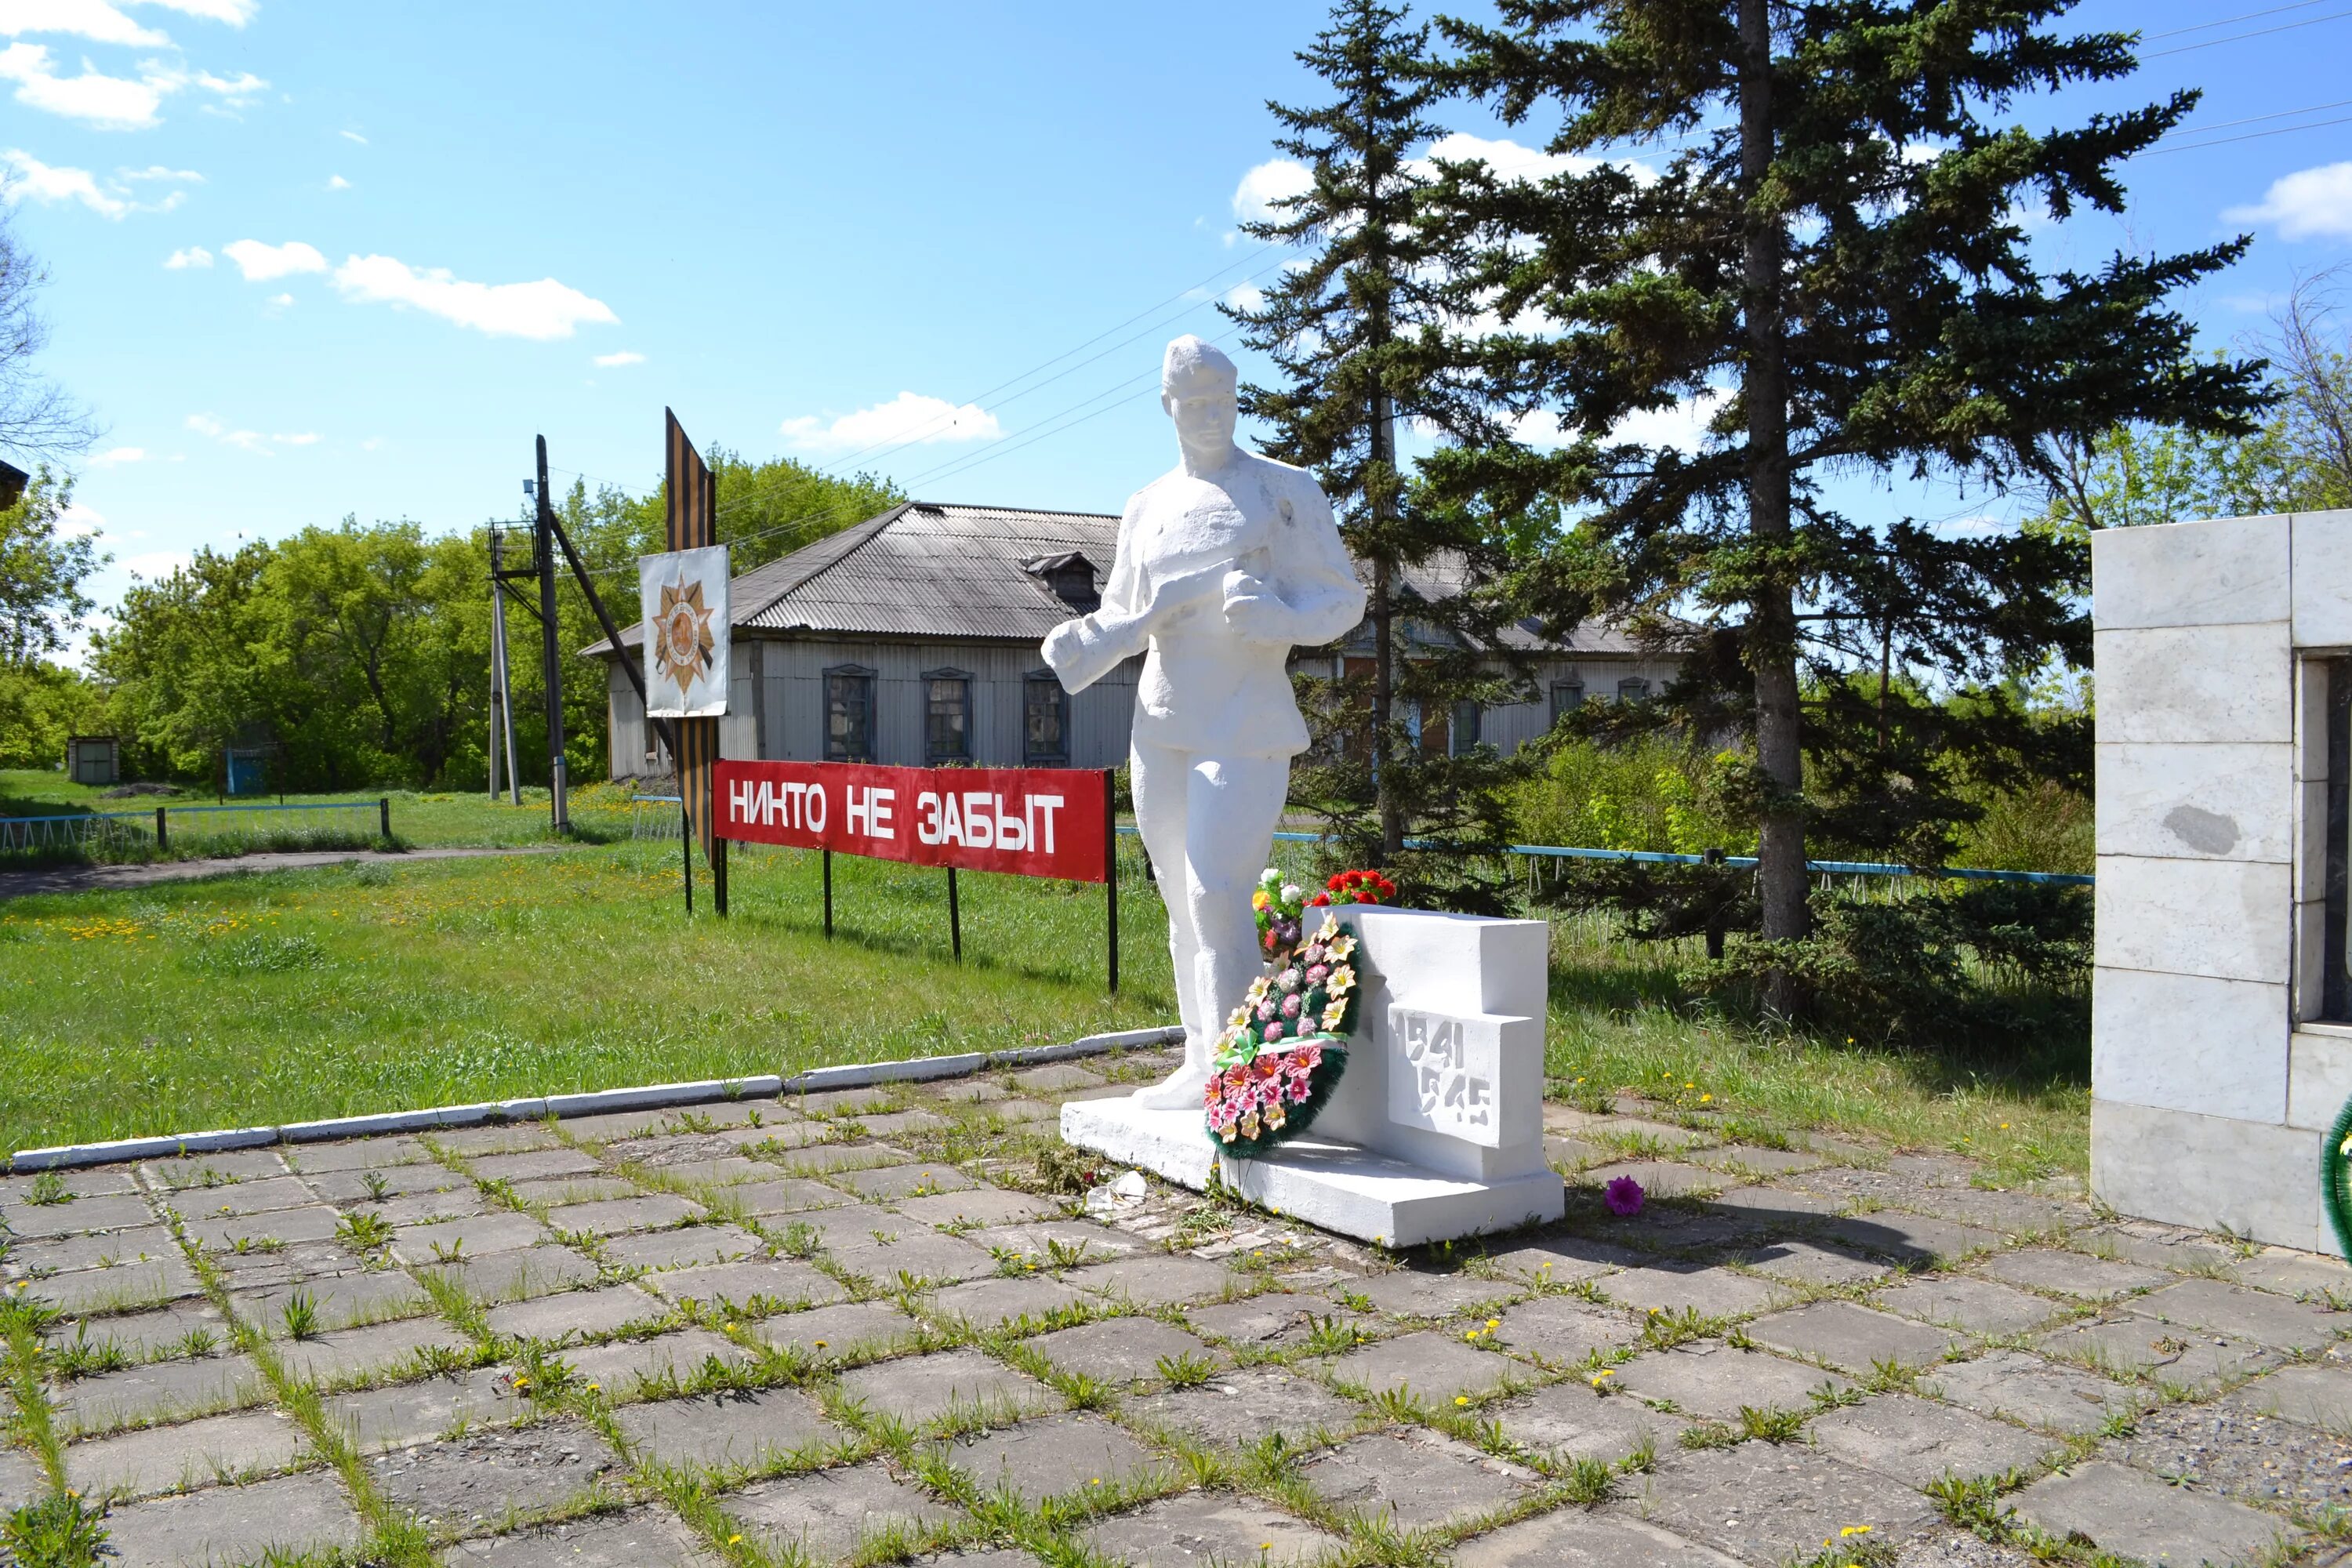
2238 37
2242 16
2249 136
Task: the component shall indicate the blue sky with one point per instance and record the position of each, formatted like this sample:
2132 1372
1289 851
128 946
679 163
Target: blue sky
317 260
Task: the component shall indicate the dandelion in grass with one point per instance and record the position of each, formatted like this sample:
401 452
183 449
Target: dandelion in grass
1624 1196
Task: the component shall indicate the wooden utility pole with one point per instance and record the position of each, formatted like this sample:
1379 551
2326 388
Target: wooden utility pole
551 653
501 680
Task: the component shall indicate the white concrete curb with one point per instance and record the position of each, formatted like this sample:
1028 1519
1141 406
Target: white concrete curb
650 1097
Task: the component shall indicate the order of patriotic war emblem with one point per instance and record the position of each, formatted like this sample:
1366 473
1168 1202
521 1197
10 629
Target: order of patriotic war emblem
682 597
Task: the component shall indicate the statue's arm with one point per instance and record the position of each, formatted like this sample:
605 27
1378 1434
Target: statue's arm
1082 651
1314 598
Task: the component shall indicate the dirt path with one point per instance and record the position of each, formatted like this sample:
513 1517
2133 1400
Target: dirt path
106 878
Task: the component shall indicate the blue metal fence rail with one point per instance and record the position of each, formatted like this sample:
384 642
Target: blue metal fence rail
82 829
1659 858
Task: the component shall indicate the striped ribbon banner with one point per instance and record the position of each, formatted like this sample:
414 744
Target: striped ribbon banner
691 523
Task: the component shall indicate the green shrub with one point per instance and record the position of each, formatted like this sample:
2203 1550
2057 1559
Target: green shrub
1652 794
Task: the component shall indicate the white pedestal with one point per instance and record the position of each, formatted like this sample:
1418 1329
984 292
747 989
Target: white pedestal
1338 1186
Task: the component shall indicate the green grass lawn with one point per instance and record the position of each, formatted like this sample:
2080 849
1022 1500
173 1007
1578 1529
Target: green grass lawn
291 995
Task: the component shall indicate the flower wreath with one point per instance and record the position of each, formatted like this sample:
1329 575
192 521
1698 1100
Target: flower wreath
1286 1046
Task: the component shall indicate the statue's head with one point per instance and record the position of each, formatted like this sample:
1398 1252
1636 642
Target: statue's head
1196 388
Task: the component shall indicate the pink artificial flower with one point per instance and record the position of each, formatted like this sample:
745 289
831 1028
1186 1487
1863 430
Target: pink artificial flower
1290 1005
1624 1197
1273 1031
1310 1056
1318 972
1265 1013
1299 1089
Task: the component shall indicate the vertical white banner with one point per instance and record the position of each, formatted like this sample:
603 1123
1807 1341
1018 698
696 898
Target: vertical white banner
682 597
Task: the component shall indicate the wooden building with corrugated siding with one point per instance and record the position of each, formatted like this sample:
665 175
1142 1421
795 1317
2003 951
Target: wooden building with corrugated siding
912 639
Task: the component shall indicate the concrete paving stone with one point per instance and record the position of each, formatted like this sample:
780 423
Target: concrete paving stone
1083 1239
1691 1229
1621 1128
219 1169
1159 1280
495 1138
616 1215
1123 1352
2281 1324
424 1209
966 1090
396 1416
783 1194
826 1515
1913 1240
1915 1440
123 1288
1962 1301
730 1431
770 1141
686 1247
290 1515
832 1159
316 1223
1023 1110
921 1388
2039 1393
340 1301
1659 1178
978 1205
670 1148
2256 1459
1776 1208
1277 1317
1771 1502
357 1154
518 1275
1805 1263
1209 1530
502 1230
1058 1078
613 1125
2074 1274
121 1211
854 1224
160 1391
622 1370
1561 1260
153 1336
835 1334
1850 1338
918 1254
841 1102
1408 1293
1572 1538
986 1303
1756 1159
535 1164
2016 1213
2305 1276
2159 1247
2316 1394
576 1315
892 1123
1575 1154
1070 1455
489 1478
570 1192
756 1286
244 1197
2128 1346
106 1249
22 1481
1433 1365
2132 1514
346 1189
90 1181
1707 1377
356 1353
1709 1289
299 1264
887 1183
1562 1330
1107 1091
1415 1477
1242 1405
646 1538
216 1449
726 1171
1571 1420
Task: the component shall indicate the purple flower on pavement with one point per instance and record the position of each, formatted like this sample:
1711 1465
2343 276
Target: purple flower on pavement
1624 1197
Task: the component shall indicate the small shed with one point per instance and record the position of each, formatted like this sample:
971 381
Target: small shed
94 760
13 480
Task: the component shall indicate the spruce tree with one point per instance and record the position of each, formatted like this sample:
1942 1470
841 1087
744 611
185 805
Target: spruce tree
1827 239
1359 329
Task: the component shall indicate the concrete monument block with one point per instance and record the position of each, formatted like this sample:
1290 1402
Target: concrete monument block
2318 1078
2195 685
2323 568
2169 1031
2223 919
2190 574
2260 1180
2220 802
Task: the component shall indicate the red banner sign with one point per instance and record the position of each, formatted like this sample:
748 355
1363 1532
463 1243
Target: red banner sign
1031 822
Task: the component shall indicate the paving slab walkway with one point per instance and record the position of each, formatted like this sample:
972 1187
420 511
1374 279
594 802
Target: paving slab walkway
526 1338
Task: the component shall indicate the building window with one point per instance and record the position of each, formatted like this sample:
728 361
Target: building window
848 714
1632 689
1463 733
1045 722
947 717
1567 697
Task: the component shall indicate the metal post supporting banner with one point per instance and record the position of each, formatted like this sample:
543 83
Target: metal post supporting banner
501 681
719 876
384 816
551 654
828 895
1110 873
955 919
686 855
162 835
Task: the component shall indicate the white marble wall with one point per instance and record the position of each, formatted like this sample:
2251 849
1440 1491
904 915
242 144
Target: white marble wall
2209 1094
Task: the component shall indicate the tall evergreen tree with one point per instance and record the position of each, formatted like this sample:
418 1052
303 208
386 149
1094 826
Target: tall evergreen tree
1359 329
1830 242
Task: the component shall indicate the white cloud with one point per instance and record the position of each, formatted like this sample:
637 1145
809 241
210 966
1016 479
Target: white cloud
29 179
614 361
156 564
337 182
236 13
306 439
1683 426
1255 197
910 417
115 456
78 522
542 309
235 91
106 102
2306 203
281 301
158 173
372 444
1245 296
353 136
191 256
260 262
246 440
93 19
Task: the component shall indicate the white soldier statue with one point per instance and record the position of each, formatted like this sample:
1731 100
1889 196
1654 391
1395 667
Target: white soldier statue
1225 563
